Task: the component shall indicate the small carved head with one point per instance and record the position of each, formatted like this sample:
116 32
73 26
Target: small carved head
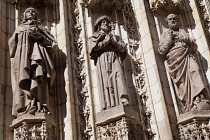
172 21
30 14
102 23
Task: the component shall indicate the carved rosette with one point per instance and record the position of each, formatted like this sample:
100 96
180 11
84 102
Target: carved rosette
34 131
196 130
205 17
122 129
81 76
173 6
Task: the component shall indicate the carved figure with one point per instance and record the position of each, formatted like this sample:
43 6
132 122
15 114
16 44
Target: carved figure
33 74
108 52
180 51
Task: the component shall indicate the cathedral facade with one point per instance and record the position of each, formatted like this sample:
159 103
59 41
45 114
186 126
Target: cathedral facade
104 69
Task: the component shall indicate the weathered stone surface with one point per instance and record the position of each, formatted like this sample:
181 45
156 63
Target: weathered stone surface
199 115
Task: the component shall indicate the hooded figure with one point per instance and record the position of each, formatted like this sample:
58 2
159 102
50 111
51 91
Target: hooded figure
32 70
108 52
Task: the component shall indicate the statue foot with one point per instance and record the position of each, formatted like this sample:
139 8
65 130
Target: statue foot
125 102
32 110
201 106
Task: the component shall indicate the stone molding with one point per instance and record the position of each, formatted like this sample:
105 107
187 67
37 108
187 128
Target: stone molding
115 113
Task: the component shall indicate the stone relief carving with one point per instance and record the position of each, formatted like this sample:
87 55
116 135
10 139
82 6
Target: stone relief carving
81 75
127 10
33 74
170 5
32 2
122 129
108 52
34 132
138 69
195 130
140 85
205 18
180 51
102 4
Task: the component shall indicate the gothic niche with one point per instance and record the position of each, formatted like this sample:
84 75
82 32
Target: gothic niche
183 67
108 51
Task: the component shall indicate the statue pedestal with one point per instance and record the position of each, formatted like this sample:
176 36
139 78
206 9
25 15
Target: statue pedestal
194 125
39 126
120 122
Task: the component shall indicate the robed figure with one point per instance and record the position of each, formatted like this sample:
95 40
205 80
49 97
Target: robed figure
180 51
33 74
108 52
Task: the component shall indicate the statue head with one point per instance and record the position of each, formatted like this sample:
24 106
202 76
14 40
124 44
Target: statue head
102 23
172 21
30 14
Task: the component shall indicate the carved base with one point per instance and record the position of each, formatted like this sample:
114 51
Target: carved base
194 125
120 122
34 127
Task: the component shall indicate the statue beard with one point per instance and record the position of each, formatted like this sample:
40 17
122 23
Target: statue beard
105 29
173 26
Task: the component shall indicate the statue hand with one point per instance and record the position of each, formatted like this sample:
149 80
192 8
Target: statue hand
36 36
170 37
114 40
107 39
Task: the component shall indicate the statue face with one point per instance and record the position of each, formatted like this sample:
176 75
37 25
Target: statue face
172 21
105 25
30 14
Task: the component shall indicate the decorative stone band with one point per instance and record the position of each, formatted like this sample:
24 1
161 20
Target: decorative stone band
119 123
194 125
122 129
30 127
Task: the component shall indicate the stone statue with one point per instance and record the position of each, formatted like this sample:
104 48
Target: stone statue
180 51
108 52
33 74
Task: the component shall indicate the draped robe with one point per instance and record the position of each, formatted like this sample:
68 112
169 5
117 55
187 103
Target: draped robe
182 66
31 67
108 59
